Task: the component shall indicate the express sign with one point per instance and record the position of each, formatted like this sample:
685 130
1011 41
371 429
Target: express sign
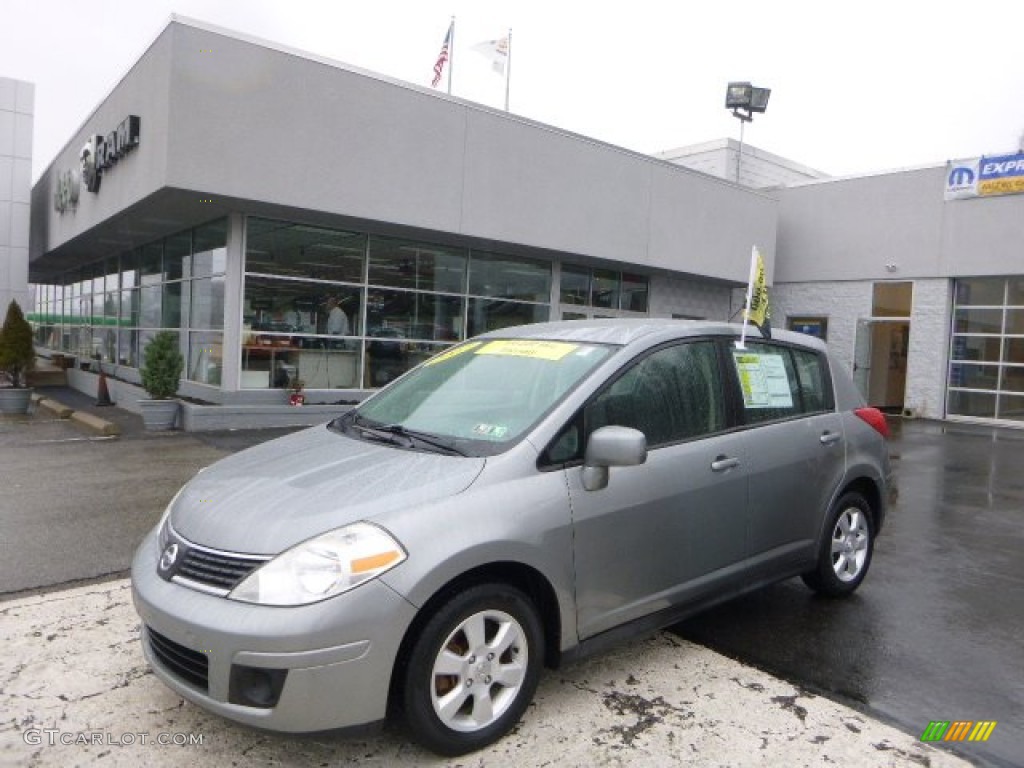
985 176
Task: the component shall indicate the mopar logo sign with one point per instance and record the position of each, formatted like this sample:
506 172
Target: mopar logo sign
962 179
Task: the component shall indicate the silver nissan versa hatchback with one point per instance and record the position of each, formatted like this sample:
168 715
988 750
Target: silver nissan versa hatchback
517 501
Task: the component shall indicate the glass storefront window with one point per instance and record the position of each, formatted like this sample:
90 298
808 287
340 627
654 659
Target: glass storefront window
150 306
980 292
1015 322
177 253
605 289
128 347
295 306
207 303
634 292
277 361
977 404
1014 351
1013 378
974 376
1011 407
420 266
978 321
509 278
412 315
210 251
205 358
151 263
892 299
980 348
1015 292
574 286
301 251
489 315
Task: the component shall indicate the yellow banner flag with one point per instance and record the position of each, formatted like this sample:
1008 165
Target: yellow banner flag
758 311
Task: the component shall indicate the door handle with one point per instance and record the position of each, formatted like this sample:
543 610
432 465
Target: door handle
827 438
722 463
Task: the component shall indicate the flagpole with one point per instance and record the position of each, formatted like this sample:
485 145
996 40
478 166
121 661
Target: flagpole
750 295
508 68
451 56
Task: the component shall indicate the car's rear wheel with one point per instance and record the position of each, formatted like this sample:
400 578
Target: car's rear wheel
846 551
473 669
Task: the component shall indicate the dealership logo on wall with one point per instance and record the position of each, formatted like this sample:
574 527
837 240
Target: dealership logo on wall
68 186
99 155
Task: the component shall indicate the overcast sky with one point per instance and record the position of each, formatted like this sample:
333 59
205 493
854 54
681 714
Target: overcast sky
856 87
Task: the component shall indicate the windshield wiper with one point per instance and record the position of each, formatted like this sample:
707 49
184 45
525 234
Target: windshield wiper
435 441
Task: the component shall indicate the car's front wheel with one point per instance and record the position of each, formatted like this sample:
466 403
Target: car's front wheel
845 553
473 669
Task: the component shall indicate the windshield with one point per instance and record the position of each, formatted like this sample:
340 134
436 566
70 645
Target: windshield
481 394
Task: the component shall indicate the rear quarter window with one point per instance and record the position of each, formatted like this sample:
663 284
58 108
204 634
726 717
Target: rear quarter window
780 382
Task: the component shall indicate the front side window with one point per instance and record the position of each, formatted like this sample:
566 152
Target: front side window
483 394
671 395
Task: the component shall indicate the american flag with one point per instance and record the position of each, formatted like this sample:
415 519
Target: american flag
443 56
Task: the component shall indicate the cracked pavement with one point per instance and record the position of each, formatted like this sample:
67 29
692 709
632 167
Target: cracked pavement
72 665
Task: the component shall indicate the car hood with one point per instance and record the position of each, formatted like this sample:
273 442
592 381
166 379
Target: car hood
270 497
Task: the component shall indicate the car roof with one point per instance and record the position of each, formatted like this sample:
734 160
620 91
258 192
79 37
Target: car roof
625 331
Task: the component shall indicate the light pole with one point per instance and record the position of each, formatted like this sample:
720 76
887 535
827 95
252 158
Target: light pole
744 99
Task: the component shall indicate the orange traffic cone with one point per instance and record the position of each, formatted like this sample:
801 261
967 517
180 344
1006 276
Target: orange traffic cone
102 394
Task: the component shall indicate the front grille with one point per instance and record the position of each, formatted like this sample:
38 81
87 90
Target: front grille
216 569
191 666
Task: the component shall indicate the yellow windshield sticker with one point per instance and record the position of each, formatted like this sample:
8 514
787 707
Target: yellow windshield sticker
543 350
453 352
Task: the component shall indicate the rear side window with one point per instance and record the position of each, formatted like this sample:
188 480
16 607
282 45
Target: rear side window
778 382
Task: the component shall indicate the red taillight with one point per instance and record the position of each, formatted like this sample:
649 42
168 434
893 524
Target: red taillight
875 419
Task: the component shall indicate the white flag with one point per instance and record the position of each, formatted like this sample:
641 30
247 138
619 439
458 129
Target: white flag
496 51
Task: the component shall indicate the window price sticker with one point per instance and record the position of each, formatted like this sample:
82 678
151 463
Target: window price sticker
543 350
763 380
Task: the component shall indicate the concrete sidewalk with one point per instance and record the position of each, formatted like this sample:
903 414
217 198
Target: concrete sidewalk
75 690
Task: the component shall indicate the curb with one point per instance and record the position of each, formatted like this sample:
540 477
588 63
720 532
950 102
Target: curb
84 418
60 410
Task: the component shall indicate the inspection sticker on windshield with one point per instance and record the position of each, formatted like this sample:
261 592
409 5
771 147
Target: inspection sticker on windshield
453 352
491 430
763 380
544 350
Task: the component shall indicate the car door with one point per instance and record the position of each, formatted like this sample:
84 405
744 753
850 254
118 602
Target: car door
796 450
664 532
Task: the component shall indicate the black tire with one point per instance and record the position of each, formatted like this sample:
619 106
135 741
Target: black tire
846 548
491 612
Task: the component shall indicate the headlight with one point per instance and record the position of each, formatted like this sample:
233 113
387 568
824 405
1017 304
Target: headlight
322 567
161 527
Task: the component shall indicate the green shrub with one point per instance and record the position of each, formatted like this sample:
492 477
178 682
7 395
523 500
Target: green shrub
162 366
17 355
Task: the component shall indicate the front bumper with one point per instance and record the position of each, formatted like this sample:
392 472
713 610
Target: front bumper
338 654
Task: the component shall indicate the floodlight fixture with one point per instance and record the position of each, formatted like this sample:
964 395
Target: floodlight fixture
744 100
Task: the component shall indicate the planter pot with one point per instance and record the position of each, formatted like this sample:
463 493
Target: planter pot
159 415
15 401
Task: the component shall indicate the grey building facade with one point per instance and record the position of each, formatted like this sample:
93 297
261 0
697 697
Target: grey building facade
292 218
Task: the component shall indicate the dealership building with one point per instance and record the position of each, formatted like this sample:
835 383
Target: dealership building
293 219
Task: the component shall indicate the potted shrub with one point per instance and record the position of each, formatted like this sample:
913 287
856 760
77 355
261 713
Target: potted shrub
17 358
162 365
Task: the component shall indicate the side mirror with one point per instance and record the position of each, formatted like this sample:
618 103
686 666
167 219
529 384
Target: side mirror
611 447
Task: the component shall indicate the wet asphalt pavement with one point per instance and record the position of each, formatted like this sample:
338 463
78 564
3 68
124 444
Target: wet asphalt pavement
936 632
